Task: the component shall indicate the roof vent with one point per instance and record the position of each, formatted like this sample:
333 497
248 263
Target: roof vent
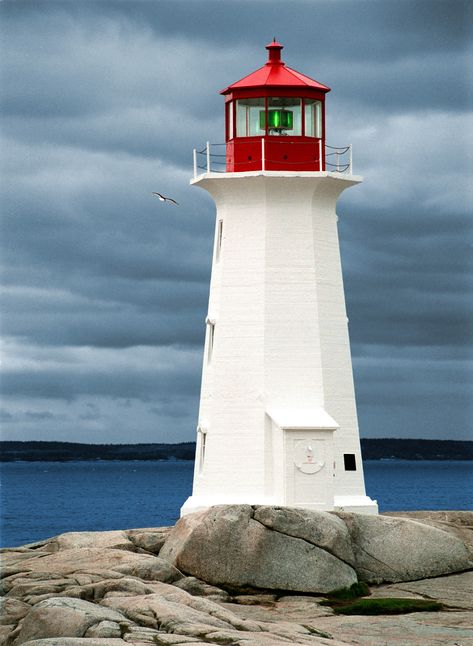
274 51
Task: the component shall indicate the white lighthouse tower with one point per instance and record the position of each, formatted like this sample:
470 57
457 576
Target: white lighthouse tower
277 421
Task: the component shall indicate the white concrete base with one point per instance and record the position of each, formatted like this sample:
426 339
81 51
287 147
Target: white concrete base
198 503
355 504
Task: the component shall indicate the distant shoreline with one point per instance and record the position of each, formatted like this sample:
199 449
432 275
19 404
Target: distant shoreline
372 449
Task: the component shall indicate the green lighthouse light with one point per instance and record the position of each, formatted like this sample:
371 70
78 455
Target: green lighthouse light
277 120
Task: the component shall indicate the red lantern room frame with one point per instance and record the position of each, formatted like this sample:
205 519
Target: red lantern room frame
264 150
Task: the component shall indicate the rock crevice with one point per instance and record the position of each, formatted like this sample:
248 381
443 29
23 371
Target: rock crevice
306 536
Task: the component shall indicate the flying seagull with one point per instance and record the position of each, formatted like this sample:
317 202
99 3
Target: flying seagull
163 198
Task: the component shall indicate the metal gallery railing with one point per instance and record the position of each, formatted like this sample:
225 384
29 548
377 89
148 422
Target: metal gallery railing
213 158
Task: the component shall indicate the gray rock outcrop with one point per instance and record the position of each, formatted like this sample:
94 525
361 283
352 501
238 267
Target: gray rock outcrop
228 546
66 617
239 546
123 587
391 549
75 641
318 528
67 561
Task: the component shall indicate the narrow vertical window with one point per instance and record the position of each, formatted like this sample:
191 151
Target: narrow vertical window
318 120
202 436
230 120
219 237
210 337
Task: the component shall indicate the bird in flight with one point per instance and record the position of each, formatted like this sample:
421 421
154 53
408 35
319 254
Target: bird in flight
163 198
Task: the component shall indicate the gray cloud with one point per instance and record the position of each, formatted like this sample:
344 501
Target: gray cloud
66 372
105 289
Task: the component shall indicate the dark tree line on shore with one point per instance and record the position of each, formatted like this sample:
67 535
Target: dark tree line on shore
373 449
67 451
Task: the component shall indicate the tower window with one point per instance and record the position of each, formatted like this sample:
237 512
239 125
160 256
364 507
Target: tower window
349 460
210 337
202 437
219 237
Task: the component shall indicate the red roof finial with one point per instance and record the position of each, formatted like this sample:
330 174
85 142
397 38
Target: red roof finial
275 73
274 51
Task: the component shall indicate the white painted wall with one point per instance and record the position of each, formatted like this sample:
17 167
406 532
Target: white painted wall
280 341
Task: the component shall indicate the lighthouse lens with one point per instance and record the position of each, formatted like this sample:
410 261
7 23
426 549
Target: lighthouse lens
280 119
284 116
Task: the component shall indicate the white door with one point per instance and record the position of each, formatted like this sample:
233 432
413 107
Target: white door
309 468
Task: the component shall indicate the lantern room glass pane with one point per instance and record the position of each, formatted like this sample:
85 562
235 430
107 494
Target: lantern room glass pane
247 117
230 133
284 116
313 118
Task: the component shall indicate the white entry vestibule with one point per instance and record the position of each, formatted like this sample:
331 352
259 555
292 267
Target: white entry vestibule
307 456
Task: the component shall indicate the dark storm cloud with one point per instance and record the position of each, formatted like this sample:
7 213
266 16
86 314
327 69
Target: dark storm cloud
33 415
106 324
411 289
145 58
67 372
61 64
419 25
68 383
98 259
5 416
106 288
414 392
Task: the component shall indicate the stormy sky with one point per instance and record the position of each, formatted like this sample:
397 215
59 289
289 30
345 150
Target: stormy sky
104 289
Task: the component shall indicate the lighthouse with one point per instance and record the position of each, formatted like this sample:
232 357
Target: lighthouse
277 420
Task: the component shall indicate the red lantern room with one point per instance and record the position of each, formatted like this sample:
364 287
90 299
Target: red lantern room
275 119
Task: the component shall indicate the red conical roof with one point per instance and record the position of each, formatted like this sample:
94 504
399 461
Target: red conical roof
275 73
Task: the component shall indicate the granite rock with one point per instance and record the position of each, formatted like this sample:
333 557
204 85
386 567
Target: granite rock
226 546
86 559
74 540
75 641
110 589
63 617
199 588
394 549
318 528
277 548
12 610
458 523
150 540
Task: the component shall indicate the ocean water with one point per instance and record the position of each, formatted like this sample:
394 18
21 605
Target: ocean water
42 499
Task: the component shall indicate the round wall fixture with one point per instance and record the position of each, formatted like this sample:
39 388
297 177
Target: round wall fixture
308 456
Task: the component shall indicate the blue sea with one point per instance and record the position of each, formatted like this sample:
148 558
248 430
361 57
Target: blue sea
42 499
